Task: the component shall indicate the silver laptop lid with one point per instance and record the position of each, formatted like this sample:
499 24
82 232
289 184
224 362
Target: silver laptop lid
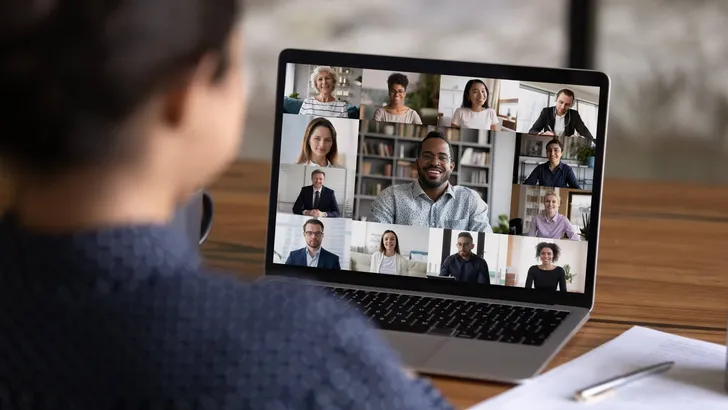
453 177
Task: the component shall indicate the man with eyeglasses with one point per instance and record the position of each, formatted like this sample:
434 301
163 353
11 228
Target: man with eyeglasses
313 254
431 201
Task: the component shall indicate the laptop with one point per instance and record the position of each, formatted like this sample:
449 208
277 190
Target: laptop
455 205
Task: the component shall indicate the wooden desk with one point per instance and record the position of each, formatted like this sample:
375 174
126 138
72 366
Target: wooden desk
660 260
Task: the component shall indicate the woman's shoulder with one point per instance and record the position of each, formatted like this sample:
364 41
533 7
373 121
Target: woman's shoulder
458 113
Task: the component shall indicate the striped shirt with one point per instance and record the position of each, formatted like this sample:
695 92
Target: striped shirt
311 106
409 117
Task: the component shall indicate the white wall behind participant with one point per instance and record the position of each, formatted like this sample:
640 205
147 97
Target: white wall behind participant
289 237
504 151
573 253
411 238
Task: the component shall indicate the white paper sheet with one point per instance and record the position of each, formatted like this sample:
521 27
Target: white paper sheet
696 381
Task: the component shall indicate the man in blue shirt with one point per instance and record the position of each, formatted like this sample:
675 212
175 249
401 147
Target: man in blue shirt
553 173
466 266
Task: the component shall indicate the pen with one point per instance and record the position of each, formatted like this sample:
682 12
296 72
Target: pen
599 389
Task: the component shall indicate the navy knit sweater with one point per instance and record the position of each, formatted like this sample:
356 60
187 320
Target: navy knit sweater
127 318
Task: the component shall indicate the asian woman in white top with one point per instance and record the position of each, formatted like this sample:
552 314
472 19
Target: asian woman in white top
474 112
395 110
323 81
319 147
387 259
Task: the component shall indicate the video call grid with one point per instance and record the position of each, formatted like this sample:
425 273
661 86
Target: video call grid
359 131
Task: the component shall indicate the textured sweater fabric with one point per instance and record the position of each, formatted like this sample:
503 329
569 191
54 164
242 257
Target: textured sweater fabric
128 318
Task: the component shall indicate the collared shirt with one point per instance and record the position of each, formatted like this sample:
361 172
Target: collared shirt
561 177
313 164
407 204
559 124
312 261
544 227
473 270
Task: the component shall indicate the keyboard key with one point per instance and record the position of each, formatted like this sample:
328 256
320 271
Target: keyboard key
452 318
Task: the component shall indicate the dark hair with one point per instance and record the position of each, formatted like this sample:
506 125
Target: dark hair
466 100
71 73
465 235
566 92
397 78
555 141
554 248
305 155
435 135
313 221
381 241
317 171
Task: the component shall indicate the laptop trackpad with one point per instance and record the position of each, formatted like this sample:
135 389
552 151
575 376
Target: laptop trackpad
414 349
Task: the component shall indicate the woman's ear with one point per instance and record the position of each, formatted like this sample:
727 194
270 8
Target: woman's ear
173 105
176 98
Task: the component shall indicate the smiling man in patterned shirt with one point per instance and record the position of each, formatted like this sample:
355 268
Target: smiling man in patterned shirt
431 201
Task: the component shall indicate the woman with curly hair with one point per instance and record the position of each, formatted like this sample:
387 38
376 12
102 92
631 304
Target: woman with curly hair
547 276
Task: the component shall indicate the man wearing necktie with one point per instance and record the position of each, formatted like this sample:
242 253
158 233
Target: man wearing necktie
316 199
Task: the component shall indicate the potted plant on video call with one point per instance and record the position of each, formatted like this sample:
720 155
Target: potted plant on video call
586 154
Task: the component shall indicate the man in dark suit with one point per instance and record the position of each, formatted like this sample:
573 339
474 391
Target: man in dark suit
317 200
560 120
313 255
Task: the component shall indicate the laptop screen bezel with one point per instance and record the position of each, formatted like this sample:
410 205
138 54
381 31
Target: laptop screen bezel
457 68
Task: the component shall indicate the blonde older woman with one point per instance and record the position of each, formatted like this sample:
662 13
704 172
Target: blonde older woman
387 259
549 223
323 104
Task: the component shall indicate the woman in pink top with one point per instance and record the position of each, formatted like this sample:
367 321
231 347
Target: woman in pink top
549 223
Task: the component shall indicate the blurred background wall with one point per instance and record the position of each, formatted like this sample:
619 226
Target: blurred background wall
667 59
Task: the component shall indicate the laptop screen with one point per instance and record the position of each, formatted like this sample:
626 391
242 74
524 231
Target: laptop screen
479 181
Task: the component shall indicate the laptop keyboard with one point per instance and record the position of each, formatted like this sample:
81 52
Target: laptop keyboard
454 318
